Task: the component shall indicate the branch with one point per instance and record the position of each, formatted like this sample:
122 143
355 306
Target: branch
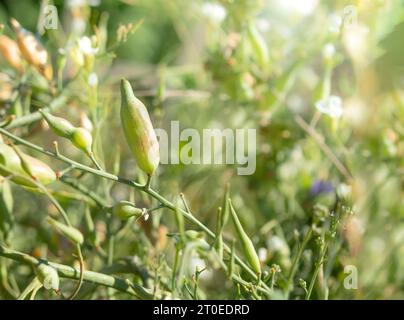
189 216
65 271
55 104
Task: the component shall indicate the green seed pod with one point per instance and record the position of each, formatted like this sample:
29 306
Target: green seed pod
60 126
6 209
11 165
48 276
193 235
82 139
69 232
258 45
125 210
246 243
138 130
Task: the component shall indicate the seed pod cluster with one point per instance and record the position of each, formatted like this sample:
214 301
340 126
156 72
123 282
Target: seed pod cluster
11 53
125 210
12 166
138 130
79 136
69 232
32 50
246 243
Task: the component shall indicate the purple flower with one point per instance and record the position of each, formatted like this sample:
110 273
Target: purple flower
321 186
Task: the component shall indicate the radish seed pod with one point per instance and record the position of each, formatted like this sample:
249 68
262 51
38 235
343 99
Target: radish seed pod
69 232
138 130
125 210
246 243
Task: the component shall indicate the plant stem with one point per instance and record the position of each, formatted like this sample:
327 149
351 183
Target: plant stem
293 269
65 271
55 104
84 190
94 160
319 263
145 188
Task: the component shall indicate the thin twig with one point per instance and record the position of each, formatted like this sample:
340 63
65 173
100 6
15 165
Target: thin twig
65 271
320 141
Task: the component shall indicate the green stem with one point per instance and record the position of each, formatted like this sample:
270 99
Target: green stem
72 273
84 190
55 104
144 188
319 263
293 269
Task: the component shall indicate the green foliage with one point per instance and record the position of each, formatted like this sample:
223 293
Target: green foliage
323 91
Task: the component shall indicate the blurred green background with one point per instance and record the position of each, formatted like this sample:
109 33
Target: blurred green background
200 63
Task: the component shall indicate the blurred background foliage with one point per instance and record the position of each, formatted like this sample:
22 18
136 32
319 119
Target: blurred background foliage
236 64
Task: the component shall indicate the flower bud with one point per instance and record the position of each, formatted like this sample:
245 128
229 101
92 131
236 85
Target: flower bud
69 232
138 130
32 50
48 276
125 210
11 165
60 126
246 243
11 53
82 139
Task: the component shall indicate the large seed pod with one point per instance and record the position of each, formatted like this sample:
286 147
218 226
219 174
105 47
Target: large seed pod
11 53
125 210
246 243
69 232
259 46
48 276
32 50
60 126
11 166
138 130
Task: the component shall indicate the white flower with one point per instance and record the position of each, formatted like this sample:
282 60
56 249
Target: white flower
196 263
86 46
76 3
328 51
262 254
335 23
93 79
331 106
301 7
263 25
275 243
214 11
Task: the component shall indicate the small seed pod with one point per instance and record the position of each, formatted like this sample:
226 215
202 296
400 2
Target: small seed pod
11 53
48 276
258 45
32 50
125 210
82 139
69 232
11 165
246 243
60 126
193 235
138 130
